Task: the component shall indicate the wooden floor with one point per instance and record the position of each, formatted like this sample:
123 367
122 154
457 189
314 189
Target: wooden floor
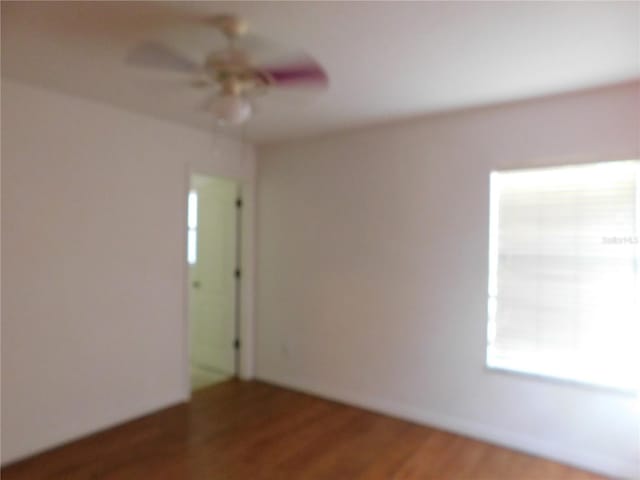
254 431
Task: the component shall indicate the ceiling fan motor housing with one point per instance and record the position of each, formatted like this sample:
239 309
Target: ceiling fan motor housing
231 69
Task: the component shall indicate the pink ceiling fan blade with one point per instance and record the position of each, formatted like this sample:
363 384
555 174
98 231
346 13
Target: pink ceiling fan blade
297 74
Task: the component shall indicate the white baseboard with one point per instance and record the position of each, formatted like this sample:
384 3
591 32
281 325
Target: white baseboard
591 461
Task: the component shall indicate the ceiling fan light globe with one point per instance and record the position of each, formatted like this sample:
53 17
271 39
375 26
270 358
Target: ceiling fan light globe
232 109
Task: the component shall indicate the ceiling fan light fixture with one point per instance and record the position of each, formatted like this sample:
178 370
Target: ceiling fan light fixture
232 109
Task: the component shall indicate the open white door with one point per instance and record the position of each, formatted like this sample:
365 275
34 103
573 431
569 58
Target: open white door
212 279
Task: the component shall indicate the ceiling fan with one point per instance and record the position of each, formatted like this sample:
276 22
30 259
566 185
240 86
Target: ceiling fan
234 72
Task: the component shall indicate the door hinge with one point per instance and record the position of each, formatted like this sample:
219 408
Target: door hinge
237 273
236 344
239 202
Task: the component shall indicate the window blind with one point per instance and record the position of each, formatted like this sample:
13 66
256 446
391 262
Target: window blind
564 282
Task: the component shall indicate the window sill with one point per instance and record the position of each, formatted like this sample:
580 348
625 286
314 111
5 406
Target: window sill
563 381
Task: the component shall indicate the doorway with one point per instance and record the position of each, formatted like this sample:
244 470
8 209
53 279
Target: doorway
212 255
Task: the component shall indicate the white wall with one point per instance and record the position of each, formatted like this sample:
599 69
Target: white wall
93 250
372 272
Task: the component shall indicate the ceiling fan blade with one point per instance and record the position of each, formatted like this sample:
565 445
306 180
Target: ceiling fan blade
296 74
159 56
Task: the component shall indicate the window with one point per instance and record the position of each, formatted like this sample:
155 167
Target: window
192 227
564 281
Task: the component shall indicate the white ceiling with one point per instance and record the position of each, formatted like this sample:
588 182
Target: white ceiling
386 60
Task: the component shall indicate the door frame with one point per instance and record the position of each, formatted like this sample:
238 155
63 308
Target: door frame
243 293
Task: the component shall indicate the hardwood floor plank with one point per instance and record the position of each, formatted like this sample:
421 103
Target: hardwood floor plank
396 455
254 431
